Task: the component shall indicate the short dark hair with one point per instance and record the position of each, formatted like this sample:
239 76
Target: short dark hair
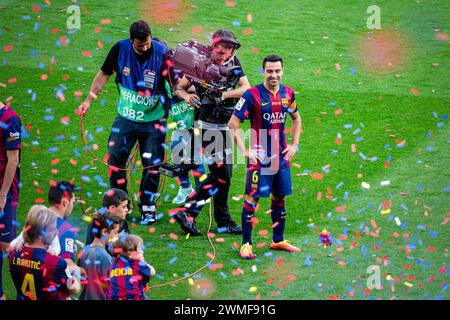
104 221
140 30
272 58
60 190
114 197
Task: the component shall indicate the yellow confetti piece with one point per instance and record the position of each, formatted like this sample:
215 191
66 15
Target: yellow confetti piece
253 289
87 219
196 132
386 211
389 278
408 284
187 236
203 177
191 281
172 125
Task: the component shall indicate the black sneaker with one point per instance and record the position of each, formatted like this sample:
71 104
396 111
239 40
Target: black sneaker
186 224
148 215
231 229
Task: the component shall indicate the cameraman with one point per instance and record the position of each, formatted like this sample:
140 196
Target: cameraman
213 115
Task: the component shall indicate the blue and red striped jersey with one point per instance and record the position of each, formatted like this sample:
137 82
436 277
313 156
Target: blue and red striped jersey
10 133
38 275
267 113
67 236
127 279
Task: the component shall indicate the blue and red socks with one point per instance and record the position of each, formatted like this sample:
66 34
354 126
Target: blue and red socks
248 212
278 208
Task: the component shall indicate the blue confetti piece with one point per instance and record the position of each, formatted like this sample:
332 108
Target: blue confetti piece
53 149
77 153
362 156
268 254
234 262
173 260
308 261
223 275
352 71
36 26
236 23
419 187
49 117
445 117
26 18
356 131
348 126
260 70
433 234
404 207
446 189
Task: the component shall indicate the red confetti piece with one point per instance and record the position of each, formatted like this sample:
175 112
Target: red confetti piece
341 208
121 181
106 21
280 260
65 120
8 48
54 161
415 91
39 201
255 50
246 32
86 53
54 30
36 8
12 80
73 162
249 17
230 4
97 29
338 66
317 176
263 232
44 76
338 112
196 29
333 297
100 44
406 266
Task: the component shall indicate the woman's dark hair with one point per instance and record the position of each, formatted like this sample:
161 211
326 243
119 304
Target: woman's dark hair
140 30
272 58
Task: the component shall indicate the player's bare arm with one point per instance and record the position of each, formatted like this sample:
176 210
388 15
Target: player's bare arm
11 167
292 148
97 86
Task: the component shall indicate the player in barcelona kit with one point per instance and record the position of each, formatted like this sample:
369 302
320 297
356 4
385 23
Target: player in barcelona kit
268 165
10 144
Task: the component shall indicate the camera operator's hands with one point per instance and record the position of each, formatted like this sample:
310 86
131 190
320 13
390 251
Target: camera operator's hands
193 99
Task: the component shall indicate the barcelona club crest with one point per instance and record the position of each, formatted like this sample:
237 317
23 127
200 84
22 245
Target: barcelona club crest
285 102
126 71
